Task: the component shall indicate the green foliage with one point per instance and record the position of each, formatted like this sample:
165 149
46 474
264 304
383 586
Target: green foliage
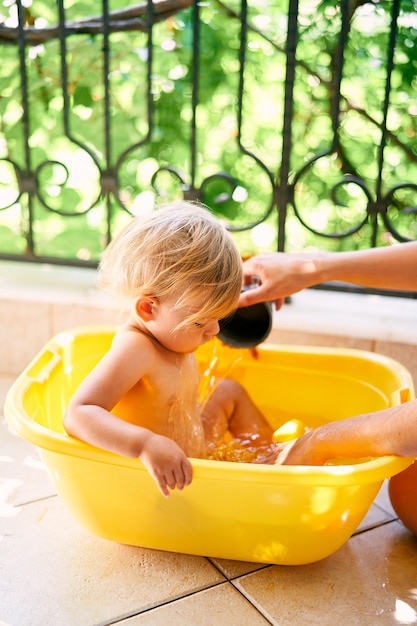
236 165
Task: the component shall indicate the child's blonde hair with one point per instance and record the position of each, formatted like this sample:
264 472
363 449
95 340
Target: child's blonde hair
180 249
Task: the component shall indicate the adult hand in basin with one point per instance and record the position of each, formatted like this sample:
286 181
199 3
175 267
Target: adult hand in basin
390 431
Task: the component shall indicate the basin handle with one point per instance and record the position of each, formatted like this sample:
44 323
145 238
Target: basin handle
42 367
401 396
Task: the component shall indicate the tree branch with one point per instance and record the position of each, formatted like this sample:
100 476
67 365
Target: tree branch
128 19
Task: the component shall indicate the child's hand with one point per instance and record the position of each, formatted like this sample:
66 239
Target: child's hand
166 463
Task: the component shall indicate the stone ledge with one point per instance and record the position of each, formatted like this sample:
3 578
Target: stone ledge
373 317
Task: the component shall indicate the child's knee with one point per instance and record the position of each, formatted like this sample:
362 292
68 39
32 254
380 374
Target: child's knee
232 389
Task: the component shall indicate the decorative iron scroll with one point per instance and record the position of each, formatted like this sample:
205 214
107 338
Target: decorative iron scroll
270 115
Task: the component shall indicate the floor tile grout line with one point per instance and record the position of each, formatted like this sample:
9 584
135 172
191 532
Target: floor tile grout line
379 525
187 595
22 504
251 603
262 566
162 604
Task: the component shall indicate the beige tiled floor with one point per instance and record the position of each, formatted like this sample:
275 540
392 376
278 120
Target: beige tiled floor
53 572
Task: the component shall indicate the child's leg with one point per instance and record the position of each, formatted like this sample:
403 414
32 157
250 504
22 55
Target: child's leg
230 409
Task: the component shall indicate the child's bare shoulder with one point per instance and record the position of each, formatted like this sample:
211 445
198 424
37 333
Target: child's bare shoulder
129 339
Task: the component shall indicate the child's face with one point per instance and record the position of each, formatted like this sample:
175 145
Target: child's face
185 339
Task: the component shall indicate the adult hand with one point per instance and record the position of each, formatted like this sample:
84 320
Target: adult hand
278 275
299 451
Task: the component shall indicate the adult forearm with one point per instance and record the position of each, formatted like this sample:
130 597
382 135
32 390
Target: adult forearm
386 432
392 267
283 274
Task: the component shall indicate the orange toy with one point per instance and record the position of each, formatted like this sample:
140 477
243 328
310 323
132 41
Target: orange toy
403 496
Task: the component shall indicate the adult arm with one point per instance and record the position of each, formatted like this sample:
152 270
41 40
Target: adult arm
282 274
386 432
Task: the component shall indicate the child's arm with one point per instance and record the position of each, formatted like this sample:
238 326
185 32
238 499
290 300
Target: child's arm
386 432
88 414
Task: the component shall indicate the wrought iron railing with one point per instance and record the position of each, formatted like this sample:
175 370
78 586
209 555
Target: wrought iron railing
295 123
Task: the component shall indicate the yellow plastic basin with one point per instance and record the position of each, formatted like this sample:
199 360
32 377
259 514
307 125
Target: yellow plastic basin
270 514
